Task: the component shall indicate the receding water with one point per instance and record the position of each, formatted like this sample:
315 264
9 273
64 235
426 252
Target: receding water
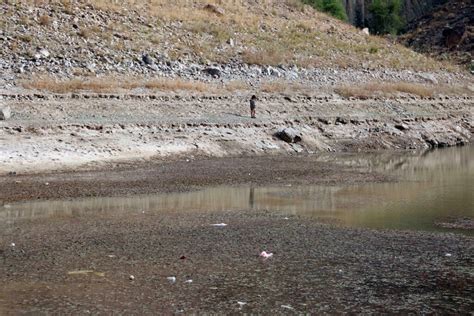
434 186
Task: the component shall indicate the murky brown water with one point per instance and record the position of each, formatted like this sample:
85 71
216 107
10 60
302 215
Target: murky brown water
436 185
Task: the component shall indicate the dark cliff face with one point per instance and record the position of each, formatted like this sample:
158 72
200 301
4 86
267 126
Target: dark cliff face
358 10
445 33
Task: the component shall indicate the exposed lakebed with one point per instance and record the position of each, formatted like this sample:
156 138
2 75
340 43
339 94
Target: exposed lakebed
434 192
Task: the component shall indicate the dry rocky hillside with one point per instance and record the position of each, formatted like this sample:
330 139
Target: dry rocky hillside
181 38
86 82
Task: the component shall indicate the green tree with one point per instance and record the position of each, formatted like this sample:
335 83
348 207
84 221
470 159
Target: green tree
385 16
332 7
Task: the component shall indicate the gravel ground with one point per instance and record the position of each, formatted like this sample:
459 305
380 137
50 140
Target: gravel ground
315 268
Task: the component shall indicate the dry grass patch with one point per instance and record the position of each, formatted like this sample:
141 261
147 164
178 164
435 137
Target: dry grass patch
109 84
282 86
272 57
176 85
384 89
236 85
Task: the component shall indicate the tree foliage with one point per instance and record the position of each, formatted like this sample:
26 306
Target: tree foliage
332 7
385 16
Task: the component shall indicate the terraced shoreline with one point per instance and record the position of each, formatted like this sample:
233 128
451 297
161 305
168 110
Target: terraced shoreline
57 132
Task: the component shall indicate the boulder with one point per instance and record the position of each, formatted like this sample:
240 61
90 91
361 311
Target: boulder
147 59
402 127
5 113
289 135
428 77
213 72
452 37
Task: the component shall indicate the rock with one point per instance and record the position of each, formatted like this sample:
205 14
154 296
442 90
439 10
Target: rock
44 53
289 135
402 127
452 37
428 77
365 31
213 72
5 113
292 75
341 120
147 59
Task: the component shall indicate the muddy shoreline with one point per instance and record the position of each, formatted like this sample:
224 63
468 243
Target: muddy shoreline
314 268
183 175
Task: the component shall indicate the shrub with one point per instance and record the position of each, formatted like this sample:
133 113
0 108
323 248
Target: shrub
44 20
332 7
386 17
373 50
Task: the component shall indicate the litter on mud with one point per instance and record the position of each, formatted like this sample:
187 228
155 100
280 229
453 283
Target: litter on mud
84 272
171 279
287 307
219 225
266 255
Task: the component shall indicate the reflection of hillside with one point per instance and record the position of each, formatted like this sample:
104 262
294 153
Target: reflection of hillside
210 200
411 164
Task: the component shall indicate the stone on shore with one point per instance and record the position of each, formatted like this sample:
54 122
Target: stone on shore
5 113
289 135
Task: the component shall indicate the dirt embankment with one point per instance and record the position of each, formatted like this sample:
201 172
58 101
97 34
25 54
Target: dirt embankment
49 132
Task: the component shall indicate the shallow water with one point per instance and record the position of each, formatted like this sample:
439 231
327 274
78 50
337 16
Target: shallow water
434 186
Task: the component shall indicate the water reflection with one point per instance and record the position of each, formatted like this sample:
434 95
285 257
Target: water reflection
438 184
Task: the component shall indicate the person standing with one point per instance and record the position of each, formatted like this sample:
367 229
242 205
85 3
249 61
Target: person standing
253 105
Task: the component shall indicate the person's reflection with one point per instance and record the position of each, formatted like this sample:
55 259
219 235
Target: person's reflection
251 198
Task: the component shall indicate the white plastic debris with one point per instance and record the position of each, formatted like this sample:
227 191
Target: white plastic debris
7 206
241 304
266 255
12 244
171 279
131 278
448 255
219 225
286 218
340 270
188 281
111 256
287 307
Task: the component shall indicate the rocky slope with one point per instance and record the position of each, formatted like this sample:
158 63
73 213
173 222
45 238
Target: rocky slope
446 33
162 38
